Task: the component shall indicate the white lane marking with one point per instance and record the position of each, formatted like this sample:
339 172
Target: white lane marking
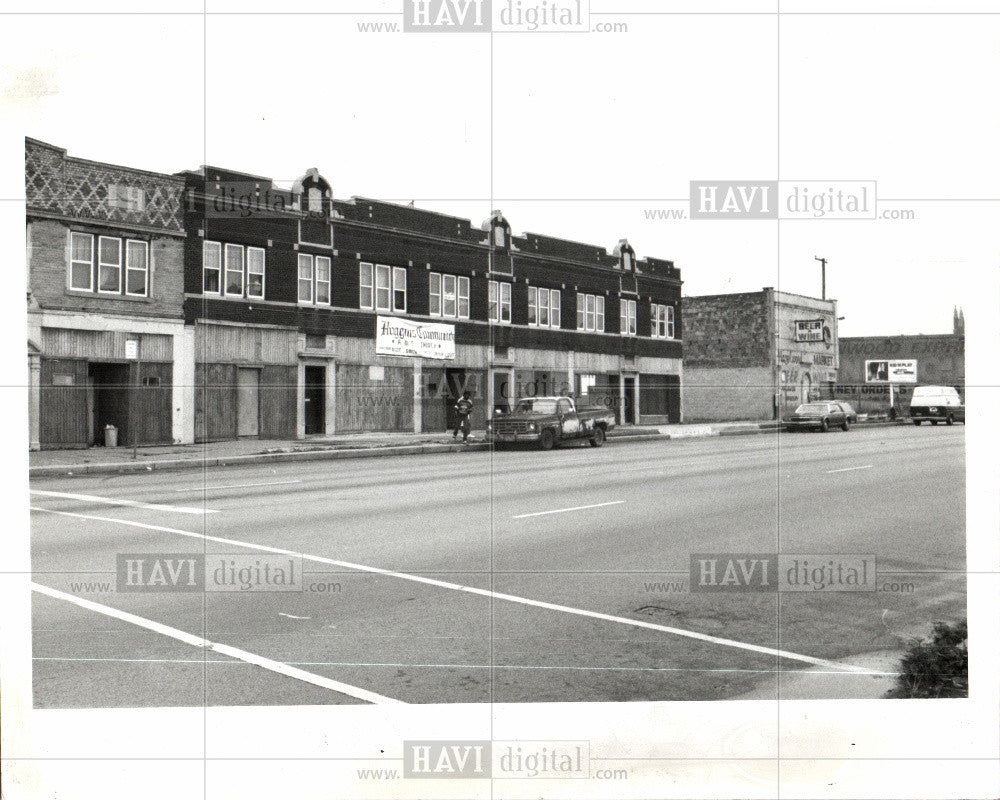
234 486
704 637
291 616
564 510
848 469
90 498
215 647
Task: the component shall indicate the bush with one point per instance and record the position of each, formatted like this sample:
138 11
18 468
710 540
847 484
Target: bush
938 667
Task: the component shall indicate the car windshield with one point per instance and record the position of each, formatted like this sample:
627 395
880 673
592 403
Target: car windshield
811 408
537 405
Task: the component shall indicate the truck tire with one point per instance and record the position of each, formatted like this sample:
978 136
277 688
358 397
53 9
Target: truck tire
547 440
847 425
824 426
950 420
598 438
917 421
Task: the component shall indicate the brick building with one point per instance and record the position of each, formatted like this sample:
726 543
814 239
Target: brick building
300 304
757 355
940 362
106 337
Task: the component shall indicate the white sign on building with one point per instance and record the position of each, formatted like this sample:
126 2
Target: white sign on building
887 371
395 336
809 330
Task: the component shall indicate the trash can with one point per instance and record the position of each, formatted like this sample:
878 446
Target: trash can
110 436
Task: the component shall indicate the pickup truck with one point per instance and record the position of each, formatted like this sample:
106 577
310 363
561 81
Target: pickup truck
549 421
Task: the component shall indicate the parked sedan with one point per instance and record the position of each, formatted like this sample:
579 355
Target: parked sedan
852 415
821 416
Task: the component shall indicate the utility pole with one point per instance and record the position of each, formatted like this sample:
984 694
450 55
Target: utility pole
822 261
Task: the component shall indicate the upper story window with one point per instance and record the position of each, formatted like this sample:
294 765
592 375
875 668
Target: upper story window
627 261
449 296
628 317
544 307
590 312
499 301
114 266
314 200
232 270
382 288
315 277
661 321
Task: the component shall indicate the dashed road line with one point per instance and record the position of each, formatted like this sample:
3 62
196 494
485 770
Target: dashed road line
848 469
564 510
234 486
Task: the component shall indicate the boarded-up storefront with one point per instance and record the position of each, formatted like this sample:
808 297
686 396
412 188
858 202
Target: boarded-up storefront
659 399
374 398
90 384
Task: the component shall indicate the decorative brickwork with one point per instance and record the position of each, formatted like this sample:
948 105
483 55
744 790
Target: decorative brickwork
85 190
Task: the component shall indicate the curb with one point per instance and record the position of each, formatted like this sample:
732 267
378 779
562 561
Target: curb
128 467
131 467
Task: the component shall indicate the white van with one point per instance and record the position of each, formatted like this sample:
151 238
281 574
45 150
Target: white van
936 404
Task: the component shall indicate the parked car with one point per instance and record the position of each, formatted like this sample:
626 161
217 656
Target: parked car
548 421
852 415
821 415
936 404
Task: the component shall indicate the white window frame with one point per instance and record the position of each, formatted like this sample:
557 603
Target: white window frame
320 261
206 246
74 262
304 260
101 264
262 272
143 247
506 293
544 303
599 313
662 321
399 285
439 295
231 251
499 302
445 293
464 285
627 312
366 284
383 287
435 300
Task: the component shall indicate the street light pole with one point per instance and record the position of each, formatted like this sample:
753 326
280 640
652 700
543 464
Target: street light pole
822 261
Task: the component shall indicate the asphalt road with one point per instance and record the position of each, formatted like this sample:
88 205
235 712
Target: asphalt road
516 576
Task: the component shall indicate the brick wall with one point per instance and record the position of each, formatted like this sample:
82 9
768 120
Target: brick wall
728 330
721 394
49 264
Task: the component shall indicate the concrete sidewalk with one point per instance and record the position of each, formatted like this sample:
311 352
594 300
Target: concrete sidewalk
101 460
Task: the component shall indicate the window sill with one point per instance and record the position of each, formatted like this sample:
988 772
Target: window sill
130 298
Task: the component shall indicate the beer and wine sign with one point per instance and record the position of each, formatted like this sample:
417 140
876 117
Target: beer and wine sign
811 330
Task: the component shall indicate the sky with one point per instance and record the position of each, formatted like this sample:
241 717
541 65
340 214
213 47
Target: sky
580 136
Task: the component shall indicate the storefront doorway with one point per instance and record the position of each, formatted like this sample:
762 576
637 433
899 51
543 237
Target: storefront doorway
315 399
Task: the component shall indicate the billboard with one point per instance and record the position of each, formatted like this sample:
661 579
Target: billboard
809 330
889 371
395 336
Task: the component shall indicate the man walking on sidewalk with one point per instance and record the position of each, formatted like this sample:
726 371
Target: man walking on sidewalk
464 409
